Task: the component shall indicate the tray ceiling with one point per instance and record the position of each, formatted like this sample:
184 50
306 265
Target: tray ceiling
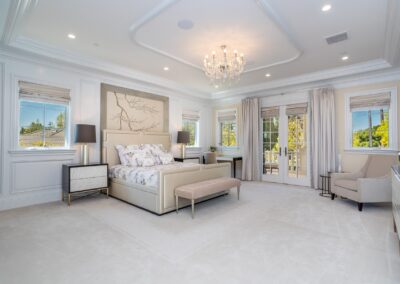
278 37
247 26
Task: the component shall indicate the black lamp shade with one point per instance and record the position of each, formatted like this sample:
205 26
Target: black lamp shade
85 133
183 137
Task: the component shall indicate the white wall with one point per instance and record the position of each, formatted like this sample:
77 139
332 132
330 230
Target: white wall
28 178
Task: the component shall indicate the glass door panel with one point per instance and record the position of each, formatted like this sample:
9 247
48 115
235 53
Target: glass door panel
297 146
271 146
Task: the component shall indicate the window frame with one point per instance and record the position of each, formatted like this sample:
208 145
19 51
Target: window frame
196 134
15 137
219 129
393 133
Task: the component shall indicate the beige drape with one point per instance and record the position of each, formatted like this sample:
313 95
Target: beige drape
251 168
323 140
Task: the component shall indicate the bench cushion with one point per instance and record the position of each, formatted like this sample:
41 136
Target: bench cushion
206 188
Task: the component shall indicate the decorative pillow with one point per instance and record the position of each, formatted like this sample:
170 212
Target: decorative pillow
155 150
122 153
166 158
135 158
148 161
141 158
132 147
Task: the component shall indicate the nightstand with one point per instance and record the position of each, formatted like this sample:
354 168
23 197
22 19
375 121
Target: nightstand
188 159
80 179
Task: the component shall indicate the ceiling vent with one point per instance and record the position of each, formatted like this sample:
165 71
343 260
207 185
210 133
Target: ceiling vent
337 38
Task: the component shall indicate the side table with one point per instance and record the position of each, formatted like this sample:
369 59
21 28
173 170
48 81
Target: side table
325 185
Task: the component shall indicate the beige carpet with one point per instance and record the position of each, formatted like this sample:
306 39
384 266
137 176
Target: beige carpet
274 234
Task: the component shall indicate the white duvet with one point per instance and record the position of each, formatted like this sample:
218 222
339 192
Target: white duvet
148 176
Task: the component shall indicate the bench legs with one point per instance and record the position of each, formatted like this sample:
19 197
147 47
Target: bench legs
177 205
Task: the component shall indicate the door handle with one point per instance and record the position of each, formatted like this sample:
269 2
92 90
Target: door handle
280 151
285 151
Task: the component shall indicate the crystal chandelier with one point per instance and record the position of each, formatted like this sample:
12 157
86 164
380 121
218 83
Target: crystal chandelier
224 67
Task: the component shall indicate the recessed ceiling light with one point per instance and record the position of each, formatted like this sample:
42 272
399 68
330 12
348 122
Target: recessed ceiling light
71 36
326 8
267 75
345 57
216 86
185 24
166 68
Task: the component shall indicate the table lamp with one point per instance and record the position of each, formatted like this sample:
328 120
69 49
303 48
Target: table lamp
183 138
84 134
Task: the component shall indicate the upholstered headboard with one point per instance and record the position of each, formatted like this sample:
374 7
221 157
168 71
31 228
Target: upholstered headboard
110 138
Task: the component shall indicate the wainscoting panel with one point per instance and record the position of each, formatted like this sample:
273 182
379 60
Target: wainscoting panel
36 175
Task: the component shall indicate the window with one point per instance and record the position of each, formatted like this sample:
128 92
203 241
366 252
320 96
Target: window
227 128
190 123
370 124
43 112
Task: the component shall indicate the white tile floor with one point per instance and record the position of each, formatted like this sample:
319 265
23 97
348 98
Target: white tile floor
274 234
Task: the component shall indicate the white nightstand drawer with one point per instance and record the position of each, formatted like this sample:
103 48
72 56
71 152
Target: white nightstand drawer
88 172
88 183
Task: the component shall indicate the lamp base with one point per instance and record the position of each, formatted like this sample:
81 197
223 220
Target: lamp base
183 151
84 154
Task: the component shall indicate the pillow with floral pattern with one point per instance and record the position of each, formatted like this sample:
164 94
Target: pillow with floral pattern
122 153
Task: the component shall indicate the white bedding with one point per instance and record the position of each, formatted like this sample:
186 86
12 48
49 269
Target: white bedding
148 176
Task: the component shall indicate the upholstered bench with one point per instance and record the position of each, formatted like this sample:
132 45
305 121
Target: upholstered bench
205 188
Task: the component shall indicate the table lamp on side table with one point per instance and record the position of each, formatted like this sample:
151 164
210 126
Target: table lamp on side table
183 139
84 134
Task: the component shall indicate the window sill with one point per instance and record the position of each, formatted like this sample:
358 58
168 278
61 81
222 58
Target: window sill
229 147
372 151
41 152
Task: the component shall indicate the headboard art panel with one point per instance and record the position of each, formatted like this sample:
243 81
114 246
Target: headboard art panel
132 110
111 137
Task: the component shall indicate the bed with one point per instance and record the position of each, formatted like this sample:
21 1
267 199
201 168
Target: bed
156 194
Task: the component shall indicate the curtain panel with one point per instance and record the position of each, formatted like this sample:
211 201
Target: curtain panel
323 138
251 167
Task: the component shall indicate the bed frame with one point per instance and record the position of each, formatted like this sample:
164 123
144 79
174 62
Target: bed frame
162 199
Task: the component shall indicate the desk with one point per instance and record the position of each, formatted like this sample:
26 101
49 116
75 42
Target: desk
232 159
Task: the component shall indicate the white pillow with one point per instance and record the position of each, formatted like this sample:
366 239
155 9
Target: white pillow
166 158
122 155
140 158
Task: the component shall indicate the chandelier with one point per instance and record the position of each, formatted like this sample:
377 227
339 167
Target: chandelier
224 67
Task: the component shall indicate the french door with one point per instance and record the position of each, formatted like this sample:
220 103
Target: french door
286 144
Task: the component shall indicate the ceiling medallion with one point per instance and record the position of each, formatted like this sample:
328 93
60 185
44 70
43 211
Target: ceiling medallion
224 67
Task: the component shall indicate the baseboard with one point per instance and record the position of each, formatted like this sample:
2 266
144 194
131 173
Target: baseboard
28 199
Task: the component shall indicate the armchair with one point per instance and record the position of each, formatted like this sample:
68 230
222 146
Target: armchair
372 183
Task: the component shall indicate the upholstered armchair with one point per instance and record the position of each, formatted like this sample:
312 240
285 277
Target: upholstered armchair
372 183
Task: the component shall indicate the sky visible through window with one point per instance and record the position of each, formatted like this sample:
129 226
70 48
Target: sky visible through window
33 111
360 119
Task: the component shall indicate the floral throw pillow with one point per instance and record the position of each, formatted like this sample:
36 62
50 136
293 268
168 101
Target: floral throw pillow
122 153
166 158
141 158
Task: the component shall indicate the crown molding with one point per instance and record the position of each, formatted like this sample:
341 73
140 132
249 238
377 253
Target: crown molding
392 33
17 12
349 70
264 6
67 58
